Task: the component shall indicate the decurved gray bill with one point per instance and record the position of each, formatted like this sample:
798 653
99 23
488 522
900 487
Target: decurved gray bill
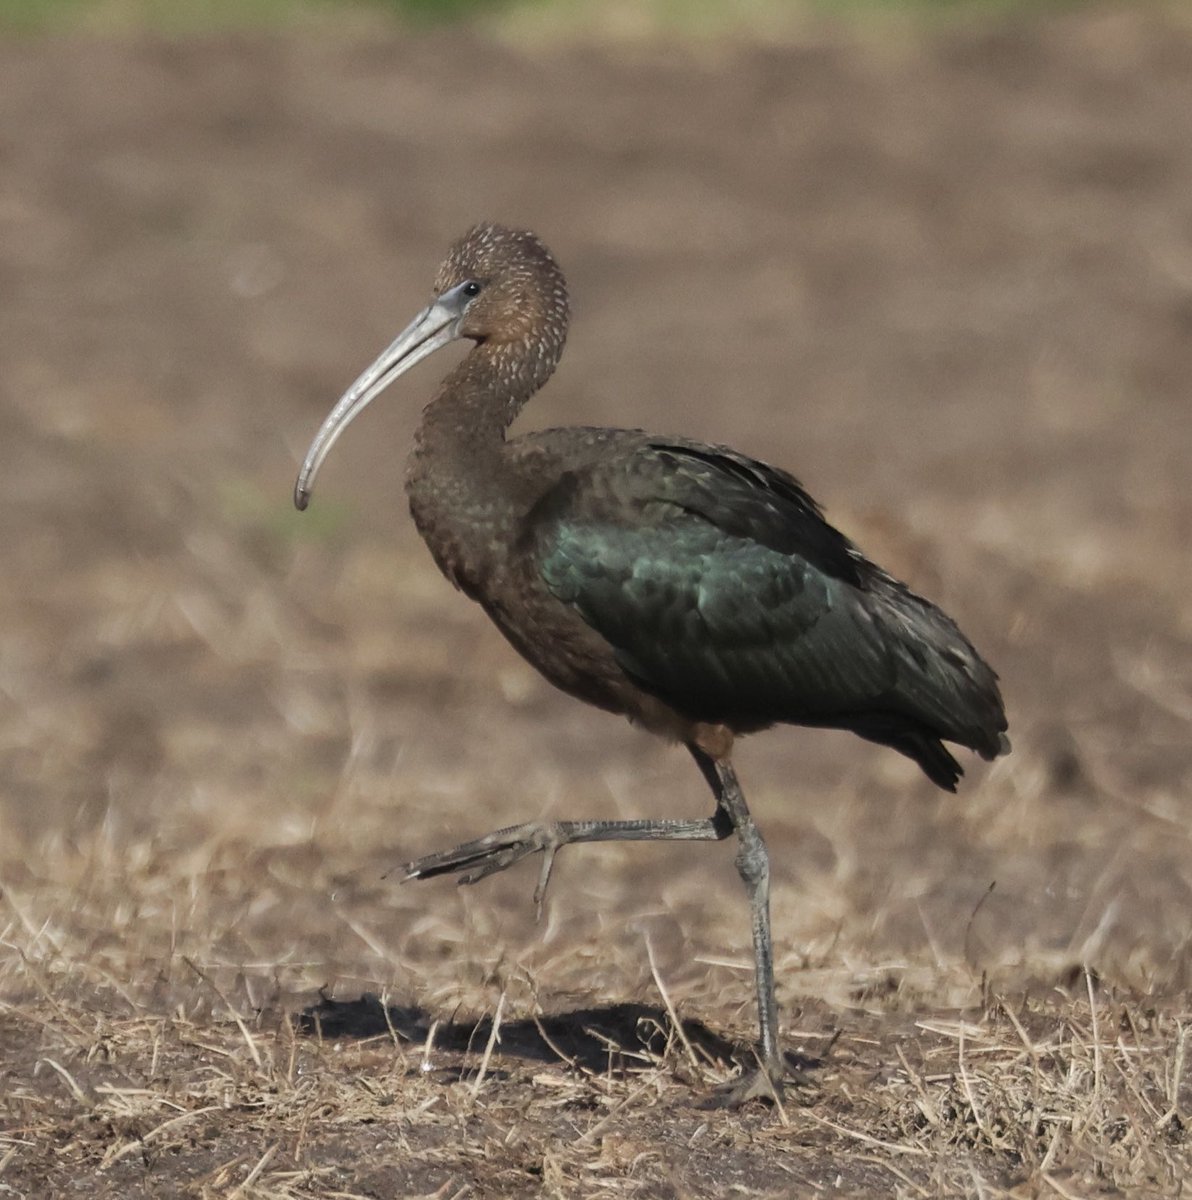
431 329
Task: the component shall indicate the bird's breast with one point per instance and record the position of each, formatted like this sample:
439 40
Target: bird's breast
476 547
467 534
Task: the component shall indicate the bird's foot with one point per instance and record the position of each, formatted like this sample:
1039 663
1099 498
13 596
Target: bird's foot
494 852
760 1082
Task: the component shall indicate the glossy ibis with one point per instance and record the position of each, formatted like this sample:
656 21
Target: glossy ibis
694 590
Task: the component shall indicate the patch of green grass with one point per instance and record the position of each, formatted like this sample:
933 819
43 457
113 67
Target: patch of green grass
941 10
757 20
19 16
942 7
59 16
191 16
274 519
693 16
433 11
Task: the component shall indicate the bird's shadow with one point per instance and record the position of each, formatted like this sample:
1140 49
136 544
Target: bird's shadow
614 1037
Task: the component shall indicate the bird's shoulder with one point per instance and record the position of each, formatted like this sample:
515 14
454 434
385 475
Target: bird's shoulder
628 480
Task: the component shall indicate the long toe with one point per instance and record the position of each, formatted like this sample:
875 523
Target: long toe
768 1084
756 1084
485 856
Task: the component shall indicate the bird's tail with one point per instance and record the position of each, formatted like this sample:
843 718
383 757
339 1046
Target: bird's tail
945 689
928 751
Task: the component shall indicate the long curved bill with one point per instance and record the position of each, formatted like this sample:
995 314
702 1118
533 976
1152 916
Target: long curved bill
431 329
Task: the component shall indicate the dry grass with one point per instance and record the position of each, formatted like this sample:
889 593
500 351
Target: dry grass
191 1071
956 301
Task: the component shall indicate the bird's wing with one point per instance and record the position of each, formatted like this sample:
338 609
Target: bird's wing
717 582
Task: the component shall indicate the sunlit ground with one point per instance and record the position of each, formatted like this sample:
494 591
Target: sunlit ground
945 278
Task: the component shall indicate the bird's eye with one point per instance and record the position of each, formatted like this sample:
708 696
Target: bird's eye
471 288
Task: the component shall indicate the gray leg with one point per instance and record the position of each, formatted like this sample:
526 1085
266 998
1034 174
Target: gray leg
487 855
753 865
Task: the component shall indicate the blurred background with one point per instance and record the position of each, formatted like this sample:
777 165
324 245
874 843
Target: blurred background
935 259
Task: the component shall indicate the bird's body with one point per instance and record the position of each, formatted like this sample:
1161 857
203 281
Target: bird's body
696 591
689 587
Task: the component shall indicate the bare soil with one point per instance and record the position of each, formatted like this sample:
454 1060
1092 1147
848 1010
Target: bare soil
945 277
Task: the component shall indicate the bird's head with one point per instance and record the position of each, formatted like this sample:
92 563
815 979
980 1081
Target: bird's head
497 287
506 286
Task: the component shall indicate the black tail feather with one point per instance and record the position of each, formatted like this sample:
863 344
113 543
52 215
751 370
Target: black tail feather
924 748
1003 747
938 764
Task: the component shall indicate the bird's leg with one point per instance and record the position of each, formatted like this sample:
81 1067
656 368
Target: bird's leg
753 865
487 855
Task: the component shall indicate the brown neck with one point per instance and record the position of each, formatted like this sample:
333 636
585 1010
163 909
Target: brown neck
464 495
480 398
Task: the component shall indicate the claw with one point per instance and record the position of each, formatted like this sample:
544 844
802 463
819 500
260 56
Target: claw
756 1084
760 1082
548 864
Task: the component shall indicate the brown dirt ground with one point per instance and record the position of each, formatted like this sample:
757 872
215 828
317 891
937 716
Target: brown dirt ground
945 277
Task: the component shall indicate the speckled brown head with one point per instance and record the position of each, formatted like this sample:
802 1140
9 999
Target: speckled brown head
498 287
517 290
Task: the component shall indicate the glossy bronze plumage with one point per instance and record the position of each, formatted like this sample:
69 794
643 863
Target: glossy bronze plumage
696 591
